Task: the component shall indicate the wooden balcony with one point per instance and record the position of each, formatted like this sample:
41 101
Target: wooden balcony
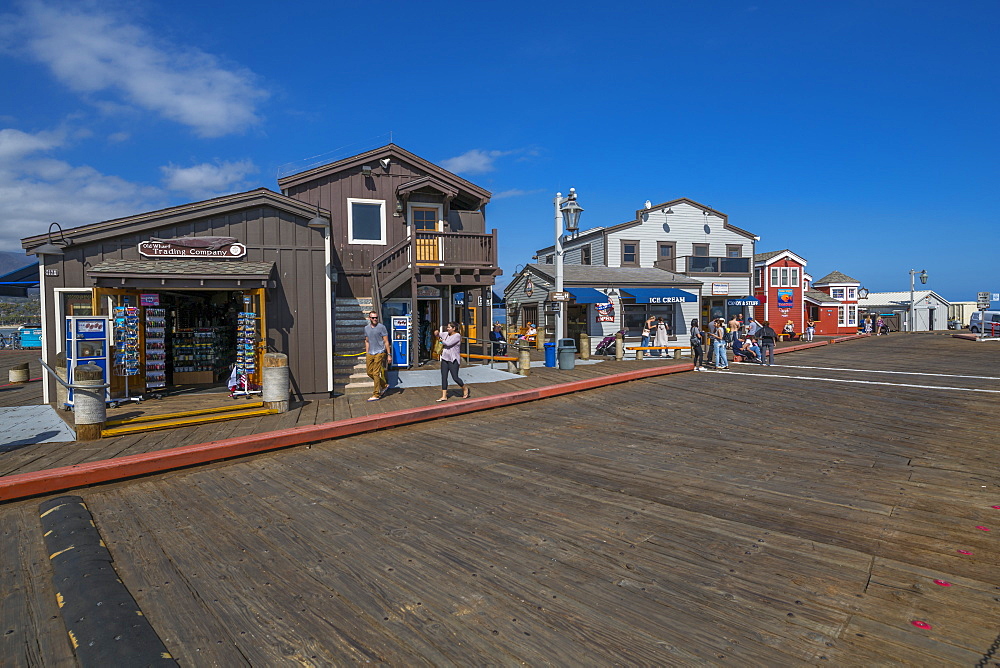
438 258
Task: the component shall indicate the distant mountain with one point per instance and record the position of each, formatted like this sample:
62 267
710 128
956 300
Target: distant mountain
11 260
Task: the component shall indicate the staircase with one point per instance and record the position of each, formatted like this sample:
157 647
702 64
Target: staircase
349 373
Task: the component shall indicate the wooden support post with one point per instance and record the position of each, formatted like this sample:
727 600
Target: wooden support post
540 338
62 394
18 373
275 389
619 346
524 361
584 346
89 410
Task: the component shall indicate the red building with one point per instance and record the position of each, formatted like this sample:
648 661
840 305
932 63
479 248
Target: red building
833 304
780 289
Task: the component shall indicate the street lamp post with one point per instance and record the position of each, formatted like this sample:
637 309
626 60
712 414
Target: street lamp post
565 206
923 281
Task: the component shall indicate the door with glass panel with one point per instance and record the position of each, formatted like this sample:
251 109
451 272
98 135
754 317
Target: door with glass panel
425 224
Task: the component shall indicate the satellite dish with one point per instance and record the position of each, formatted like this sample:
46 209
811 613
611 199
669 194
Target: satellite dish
649 204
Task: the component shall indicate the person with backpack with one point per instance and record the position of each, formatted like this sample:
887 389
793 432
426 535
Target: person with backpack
767 336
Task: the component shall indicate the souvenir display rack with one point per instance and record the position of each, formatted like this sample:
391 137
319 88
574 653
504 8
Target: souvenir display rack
246 352
126 361
156 348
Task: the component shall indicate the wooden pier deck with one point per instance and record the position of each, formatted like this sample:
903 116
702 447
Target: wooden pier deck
795 515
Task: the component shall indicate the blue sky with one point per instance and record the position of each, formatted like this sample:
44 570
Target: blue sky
863 136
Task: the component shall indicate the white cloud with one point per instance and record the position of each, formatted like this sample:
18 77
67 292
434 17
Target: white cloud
36 190
515 192
100 54
207 179
475 161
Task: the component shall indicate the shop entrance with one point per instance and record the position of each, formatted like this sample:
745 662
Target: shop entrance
428 319
183 338
576 322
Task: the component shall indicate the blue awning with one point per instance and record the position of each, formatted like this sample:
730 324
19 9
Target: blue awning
660 295
743 301
588 296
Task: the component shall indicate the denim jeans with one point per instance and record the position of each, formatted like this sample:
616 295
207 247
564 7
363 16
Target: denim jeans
720 355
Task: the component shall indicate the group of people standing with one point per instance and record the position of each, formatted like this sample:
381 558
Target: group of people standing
655 332
749 341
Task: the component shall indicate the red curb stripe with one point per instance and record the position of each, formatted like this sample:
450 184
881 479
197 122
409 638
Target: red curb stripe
67 477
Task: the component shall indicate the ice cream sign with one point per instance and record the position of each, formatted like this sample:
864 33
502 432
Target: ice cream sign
210 247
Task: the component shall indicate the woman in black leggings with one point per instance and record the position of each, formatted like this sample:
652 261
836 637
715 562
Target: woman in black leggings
696 352
451 359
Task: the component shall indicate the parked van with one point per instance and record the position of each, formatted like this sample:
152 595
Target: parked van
992 319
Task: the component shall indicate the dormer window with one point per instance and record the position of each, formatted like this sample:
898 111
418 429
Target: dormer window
837 293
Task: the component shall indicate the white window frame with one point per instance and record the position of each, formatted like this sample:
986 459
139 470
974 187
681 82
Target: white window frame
852 315
775 281
841 315
795 277
833 293
784 277
852 293
351 201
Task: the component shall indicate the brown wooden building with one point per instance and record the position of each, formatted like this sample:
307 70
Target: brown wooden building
406 234
382 227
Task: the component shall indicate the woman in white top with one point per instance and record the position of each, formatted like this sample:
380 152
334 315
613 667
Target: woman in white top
450 359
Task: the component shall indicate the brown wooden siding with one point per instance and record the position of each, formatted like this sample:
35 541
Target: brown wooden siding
331 192
296 307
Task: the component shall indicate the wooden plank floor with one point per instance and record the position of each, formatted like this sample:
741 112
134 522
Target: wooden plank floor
756 517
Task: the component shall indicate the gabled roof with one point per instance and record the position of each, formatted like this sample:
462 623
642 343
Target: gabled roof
819 297
836 277
598 275
178 214
898 298
387 151
774 256
427 182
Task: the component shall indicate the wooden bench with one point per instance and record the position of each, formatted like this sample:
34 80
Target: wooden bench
794 336
492 358
640 350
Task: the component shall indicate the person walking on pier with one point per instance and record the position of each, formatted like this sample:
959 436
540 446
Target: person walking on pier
377 351
451 359
767 336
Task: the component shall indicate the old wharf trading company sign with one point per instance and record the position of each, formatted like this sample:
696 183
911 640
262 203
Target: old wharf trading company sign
210 247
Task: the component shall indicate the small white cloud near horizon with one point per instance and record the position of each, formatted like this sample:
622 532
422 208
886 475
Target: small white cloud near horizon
207 179
475 161
116 64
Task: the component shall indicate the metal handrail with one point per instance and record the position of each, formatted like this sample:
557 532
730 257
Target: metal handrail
69 385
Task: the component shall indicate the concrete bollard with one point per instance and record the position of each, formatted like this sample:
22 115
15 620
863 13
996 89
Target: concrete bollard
62 394
584 347
18 373
619 347
89 410
540 340
275 389
640 355
524 361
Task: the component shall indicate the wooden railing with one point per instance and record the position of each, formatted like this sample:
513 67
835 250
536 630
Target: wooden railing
444 249
456 249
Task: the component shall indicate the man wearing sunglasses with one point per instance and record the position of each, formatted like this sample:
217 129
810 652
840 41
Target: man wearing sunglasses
377 351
